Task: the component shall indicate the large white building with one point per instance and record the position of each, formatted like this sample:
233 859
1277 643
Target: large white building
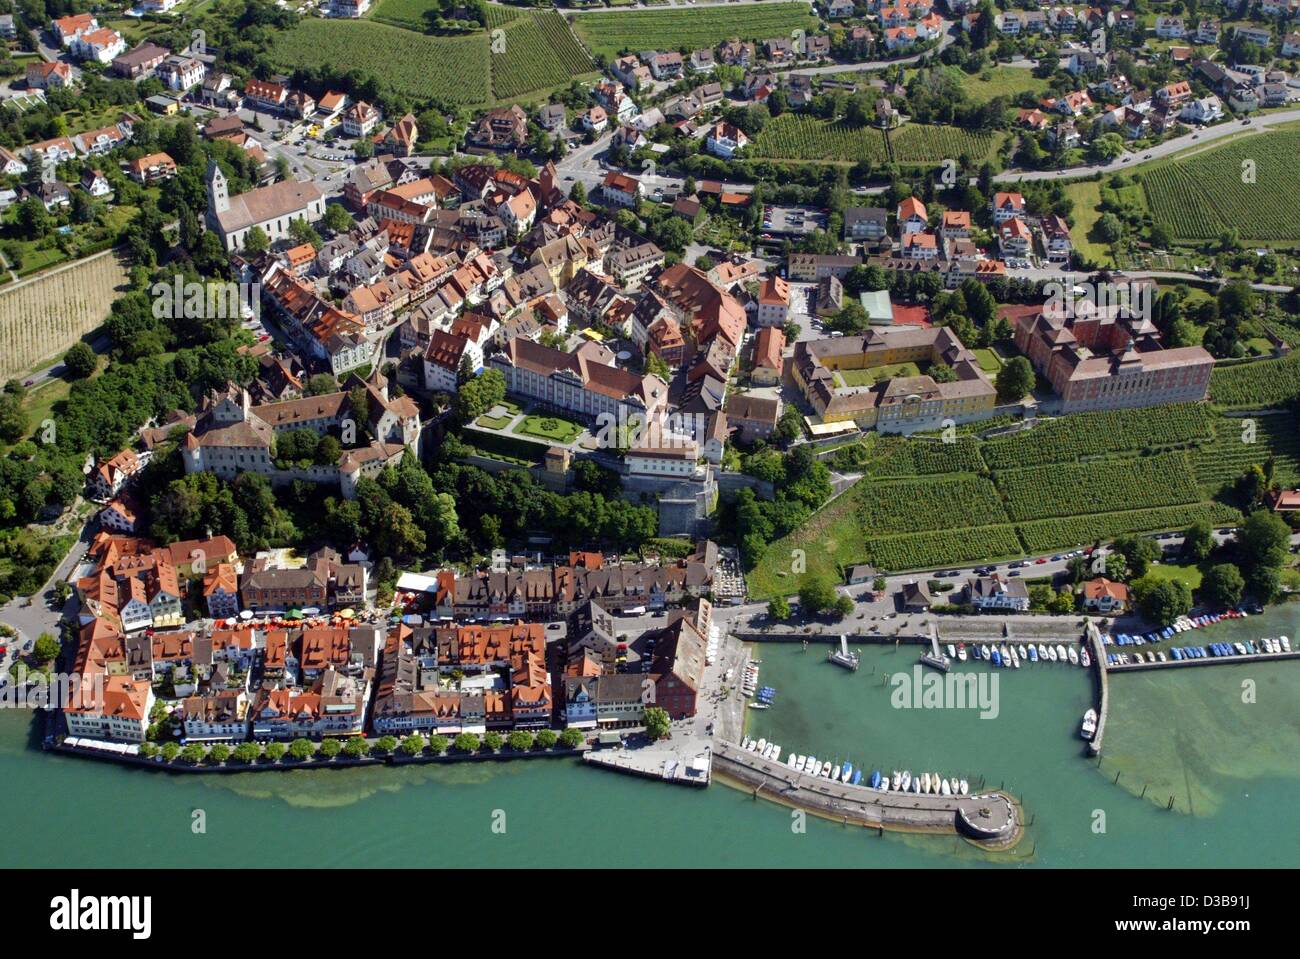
272 208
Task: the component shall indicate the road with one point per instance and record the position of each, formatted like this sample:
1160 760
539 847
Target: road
1176 145
1039 274
949 38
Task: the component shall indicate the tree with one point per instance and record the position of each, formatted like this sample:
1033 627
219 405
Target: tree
479 395
256 241
413 744
170 751
321 384
843 606
302 749
1015 380
1198 541
578 192
467 743
657 722
275 751
778 608
330 748
572 738
1222 585
356 747
219 753
816 596
193 754
1264 540
1139 552
438 744
247 753
384 745
520 741
1164 601
493 741
546 738
1264 583
46 648
80 361
337 219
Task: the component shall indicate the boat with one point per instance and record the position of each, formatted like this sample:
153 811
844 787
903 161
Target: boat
934 783
952 651
826 770
965 787
857 777
916 784
898 779
1089 726
1032 653
1042 651
906 781
1084 659
835 772
984 651
961 652
844 657
744 743
813 767
1241 650
776 754
1006 656
1286 643
760 706
1074 656
945 787
925 782
884 784
875 779
1015 658
846 772
1051 654
997 658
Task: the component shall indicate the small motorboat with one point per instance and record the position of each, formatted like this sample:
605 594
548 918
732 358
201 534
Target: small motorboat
847 772
1042 651
961 652
1015 658
906 781
836 768
997 658
952 651
1089 725
916 785
965 787
925 782
898 778
984 652
934 783
1032 653
857 777
945 787
1052 654
744 743
875 779
1074 656
1085 660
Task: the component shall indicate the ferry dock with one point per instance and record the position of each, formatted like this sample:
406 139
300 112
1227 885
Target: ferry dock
990 819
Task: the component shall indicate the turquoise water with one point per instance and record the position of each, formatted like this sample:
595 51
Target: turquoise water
1181 732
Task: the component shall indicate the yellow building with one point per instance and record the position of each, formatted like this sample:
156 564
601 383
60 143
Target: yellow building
901 404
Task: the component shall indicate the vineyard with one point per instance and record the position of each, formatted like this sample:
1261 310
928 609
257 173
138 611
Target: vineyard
612 33
1256 384
942 548
798 137
896 456
931 504
46 315
1203 196
541 53
794 136
1094 434
1043 535
1240 444
451 68
1073 489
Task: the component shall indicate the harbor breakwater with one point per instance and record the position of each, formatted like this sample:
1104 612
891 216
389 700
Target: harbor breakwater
991 819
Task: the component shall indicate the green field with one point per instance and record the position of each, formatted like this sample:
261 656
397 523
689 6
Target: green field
541 53
998 81
875 374
1212 191
416 14
1066 483
553 428
612 33
800 137
1086 195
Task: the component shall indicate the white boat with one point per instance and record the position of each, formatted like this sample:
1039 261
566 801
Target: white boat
814 766
905 783
1006 655
1084 658
1089 726
925 782
1286 643
965 787
1051 654
762 744
884 784
899 777
1015 658
835 772
1042 652
916 784
826 770
985 654
744 743
952 651
934 783
961 653
945 787
776 754
1074 656
759 706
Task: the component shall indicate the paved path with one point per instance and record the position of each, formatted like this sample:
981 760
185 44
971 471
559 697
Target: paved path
1131 160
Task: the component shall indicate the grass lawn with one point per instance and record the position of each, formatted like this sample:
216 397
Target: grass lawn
1086 195
876 374
988 360
553 428
1000 81
493 422
1182 572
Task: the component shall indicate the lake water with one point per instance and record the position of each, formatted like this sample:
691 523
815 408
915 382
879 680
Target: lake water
1232 767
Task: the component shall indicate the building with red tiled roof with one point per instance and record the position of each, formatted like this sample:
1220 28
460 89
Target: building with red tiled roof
769 347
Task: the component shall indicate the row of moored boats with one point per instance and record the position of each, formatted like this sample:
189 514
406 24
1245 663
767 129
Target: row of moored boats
1014 655
1248 647
845 772
1182 624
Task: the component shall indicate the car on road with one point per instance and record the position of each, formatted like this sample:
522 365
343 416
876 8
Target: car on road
1040 561
1014 572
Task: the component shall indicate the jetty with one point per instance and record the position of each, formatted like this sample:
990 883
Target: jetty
1205 661
655 761
989 819
1093 637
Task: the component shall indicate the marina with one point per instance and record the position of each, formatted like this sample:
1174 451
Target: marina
990 819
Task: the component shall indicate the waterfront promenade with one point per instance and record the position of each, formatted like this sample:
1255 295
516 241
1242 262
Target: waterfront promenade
991 819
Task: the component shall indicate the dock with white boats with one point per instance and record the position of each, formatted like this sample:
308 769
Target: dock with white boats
990 818
651 762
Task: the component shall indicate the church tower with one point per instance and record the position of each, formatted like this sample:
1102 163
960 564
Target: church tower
218 191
